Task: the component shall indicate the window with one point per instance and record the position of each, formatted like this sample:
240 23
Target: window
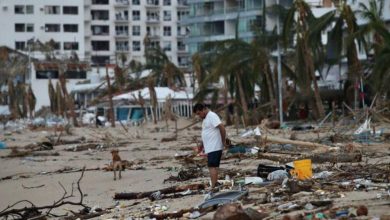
122 45
100 60
181 14
182 61
167 46
153 16
73 74
55 45
136 30
136 46
167 2
100 2
152 2
135 2
99 15
100 30
71 28
167 31
181 46
100 45
70 10
19 9
47 74
20 45
167 15
136 15
152 31
122 30
154 44
52 9
30 27
20 27
52 28
29 9
71 45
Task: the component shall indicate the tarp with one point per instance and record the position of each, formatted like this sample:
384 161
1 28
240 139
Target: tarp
161 92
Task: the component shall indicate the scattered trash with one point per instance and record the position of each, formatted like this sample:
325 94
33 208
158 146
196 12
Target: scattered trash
2 145
302 169
253 180
278 175
322 175
264 170
223 198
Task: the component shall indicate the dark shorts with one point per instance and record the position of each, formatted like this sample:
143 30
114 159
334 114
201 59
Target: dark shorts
214 158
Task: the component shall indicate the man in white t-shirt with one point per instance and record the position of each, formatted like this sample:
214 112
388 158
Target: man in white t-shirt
213 139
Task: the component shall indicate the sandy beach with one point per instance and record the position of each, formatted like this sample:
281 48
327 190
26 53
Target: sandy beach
39 179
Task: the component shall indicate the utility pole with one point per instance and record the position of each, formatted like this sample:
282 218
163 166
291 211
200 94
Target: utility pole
279 71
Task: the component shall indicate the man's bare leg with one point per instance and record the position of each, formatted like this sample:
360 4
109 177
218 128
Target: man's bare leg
213 176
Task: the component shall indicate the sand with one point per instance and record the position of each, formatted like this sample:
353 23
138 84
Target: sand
142 145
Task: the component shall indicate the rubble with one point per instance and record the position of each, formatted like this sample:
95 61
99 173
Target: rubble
349 178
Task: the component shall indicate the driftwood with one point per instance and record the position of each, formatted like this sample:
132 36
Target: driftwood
336 157
34 211
174 189
180 213
282 158
82 147
315 158
273 139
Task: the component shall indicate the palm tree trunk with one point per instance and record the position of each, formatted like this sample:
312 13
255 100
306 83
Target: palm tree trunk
111 109
319 108
354 70
242 98
153 98
268 80
68 99
225 101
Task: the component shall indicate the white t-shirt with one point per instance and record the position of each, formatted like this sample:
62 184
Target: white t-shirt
211 136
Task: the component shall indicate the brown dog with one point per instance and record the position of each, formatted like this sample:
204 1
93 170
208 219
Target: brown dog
116 163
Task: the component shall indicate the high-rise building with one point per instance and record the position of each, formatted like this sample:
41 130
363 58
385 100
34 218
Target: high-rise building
221 19
99 31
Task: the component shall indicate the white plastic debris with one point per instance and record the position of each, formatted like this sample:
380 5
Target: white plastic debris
194 214
254 150
364 127
253 180
257 131
277 175
322 175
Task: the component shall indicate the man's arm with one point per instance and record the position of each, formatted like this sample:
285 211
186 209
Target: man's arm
222 130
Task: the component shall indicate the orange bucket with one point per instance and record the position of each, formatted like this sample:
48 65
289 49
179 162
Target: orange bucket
302 169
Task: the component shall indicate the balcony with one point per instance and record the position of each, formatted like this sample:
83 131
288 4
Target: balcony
121 19
121 3
122 48
182 4
121 34
151 4
182 50
87 3
182 36
153 36
153 20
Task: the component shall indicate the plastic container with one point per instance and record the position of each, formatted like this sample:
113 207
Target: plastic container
2 145
302 169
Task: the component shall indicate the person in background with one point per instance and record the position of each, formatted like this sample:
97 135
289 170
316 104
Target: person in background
213 139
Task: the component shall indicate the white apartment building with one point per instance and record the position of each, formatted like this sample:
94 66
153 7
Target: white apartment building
61 22
100 31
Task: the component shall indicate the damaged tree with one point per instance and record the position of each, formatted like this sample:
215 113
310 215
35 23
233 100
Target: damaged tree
36 211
